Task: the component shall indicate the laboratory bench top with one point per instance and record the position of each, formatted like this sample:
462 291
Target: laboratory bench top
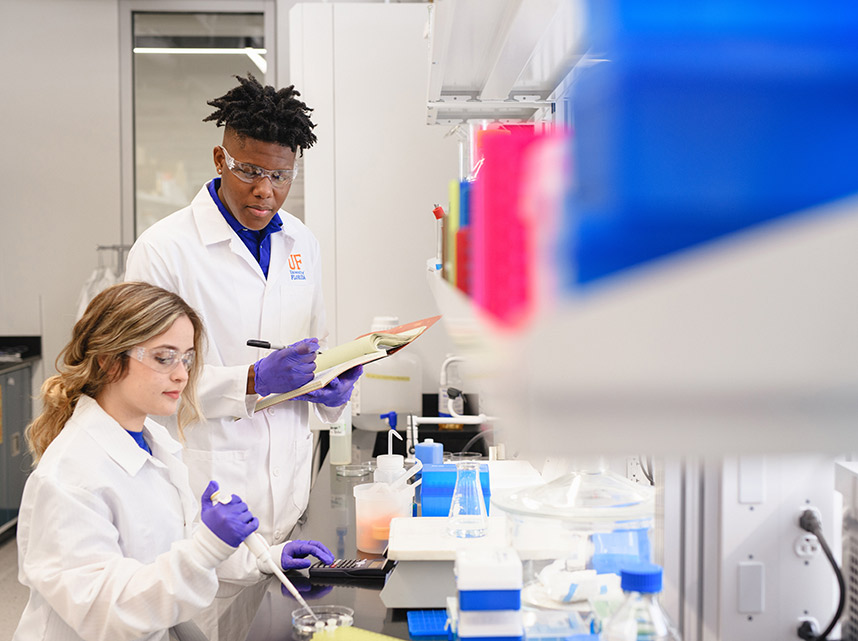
263 611
19 351
9 366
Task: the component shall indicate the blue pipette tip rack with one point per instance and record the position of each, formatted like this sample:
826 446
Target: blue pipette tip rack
427 623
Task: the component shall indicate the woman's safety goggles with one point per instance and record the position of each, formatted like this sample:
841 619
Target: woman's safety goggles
251 173
162 359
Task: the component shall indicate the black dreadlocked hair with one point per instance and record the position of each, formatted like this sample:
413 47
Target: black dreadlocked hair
265 114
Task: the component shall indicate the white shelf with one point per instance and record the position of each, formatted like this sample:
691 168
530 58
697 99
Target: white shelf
500 59
748 344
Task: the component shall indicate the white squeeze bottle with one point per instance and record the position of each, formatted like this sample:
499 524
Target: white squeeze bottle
640 617
390 466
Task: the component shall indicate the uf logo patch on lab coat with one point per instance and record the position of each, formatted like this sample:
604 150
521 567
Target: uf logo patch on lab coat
295 267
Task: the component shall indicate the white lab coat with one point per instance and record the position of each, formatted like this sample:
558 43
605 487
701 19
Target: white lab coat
265 458
105 537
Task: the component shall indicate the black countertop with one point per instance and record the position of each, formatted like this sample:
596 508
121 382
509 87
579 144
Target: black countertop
8 366
263 611
18 351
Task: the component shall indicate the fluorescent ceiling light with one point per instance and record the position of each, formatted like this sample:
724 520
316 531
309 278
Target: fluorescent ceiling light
254 54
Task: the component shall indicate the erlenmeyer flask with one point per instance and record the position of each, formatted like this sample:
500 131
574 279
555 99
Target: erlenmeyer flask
467 518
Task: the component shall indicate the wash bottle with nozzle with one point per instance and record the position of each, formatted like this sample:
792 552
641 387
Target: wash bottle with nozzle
390 466
260 549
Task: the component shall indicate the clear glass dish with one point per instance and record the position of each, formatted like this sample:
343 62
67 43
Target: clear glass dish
354 469
574 534
330 617
465 456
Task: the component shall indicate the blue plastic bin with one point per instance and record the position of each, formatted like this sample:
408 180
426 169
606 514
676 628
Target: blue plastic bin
706 118
436 490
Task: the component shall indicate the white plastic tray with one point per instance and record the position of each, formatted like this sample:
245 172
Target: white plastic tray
426 539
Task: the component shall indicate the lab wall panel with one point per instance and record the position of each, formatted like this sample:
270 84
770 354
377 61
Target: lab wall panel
311 71
769 581
60 166
60 170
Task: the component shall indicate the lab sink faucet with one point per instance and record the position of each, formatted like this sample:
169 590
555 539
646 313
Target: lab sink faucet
414 421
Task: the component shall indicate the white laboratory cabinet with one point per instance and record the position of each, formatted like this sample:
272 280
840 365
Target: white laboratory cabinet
15 461
377 170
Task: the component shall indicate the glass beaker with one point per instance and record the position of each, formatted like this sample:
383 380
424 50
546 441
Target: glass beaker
467 519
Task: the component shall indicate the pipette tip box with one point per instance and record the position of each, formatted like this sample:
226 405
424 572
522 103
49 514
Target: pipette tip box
488 579
428 623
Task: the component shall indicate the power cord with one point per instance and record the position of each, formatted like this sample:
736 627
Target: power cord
646 468
809 521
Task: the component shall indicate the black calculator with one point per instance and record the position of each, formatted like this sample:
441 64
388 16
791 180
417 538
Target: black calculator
353 568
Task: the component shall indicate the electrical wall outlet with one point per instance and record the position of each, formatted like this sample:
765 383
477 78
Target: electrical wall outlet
634 471
762 499
814 624
807 545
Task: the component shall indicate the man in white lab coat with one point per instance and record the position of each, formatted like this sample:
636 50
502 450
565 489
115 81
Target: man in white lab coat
251 270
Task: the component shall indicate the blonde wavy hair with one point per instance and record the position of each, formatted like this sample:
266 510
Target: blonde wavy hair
119 318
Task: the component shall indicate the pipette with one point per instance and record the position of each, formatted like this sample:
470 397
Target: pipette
259 547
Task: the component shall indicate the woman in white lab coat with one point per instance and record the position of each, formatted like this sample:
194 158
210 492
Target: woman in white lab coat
105 538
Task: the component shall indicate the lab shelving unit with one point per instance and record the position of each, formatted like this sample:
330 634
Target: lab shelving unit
710 359
744 341
500 60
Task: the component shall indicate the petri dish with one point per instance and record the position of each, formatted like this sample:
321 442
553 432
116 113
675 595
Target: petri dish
328 618
465 456
354 469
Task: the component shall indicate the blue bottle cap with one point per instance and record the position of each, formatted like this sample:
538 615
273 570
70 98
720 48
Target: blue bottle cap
641 577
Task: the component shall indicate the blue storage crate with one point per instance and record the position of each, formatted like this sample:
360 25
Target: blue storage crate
708 118
436 490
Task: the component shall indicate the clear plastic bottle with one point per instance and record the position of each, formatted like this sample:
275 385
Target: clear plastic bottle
341 438
640 617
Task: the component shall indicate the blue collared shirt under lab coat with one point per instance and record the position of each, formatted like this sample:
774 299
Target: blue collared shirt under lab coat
258 242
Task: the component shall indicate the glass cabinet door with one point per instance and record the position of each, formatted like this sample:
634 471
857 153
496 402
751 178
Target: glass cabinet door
181 61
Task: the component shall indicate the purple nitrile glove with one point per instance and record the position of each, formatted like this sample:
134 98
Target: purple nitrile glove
286 369
294 553
337 392
231 522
